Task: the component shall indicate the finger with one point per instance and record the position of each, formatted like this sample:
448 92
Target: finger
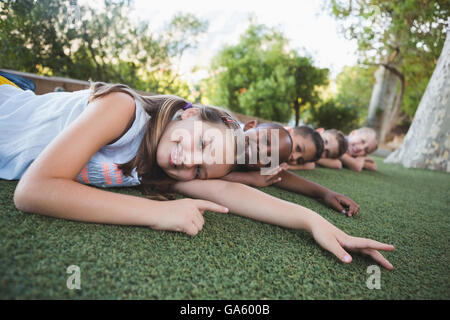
363 243
271 176
337 206
274 180
280 169
198 221
191 229
379 258
269 170
202 220
350 204
210 206
273 171
335 248
284 166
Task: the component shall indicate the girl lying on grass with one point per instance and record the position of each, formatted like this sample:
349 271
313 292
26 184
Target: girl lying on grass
52 142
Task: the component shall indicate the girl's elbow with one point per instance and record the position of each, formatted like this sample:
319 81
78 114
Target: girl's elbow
21 199
23 195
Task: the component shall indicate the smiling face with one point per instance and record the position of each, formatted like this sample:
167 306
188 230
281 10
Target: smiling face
259 140
303 149
193 149
330 145
361 142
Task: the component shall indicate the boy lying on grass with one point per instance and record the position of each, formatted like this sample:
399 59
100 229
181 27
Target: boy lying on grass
259 140
335 146
308 147
350 152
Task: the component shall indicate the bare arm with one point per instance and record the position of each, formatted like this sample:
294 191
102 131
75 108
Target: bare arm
255 178
48 186
305 166
294 183
257 205
330 163
263 207
369 164
252 178
355 164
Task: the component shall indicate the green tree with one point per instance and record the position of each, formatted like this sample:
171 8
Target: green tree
405 36
354 88
333 114
346 109
60 37
261 77
307 79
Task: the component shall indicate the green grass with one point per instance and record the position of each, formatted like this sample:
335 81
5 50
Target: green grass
237 258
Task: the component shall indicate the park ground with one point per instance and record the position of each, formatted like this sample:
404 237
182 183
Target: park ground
237 258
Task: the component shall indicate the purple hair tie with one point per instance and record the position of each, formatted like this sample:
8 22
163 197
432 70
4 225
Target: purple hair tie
189 105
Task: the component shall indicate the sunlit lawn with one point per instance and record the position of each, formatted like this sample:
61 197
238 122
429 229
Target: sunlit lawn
236 258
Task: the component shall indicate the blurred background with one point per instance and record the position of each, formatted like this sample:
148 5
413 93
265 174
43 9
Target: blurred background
335 64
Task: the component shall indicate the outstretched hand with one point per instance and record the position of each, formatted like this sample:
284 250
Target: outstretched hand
370 164
185 215
337 242
341 203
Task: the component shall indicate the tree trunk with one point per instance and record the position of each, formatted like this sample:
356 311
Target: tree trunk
427 143
382 100
390 115
297 112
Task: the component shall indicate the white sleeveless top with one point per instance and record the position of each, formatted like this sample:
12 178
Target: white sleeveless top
29 122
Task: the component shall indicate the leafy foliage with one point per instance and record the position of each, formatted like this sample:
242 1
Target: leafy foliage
333 114
412 29
345 107
51 38
260 76
354 88
304 94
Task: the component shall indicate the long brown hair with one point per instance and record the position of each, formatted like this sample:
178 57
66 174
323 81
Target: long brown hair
154 182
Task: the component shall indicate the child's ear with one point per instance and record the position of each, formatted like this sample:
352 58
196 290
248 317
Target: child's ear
320 130
250 125
191 112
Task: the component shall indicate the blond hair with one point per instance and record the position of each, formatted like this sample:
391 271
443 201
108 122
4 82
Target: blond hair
371 132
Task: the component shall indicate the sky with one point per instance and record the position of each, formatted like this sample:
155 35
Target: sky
304 22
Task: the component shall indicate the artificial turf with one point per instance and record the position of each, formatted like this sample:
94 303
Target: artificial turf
237 258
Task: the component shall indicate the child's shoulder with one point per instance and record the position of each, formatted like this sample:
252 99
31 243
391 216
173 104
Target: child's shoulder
117 98
117 102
